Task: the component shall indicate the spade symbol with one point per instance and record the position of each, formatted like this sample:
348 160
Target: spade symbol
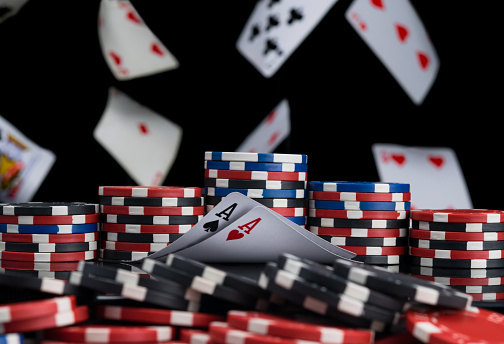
211 226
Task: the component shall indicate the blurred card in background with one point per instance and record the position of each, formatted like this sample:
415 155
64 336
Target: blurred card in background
9 8
23 166
143 142
435 176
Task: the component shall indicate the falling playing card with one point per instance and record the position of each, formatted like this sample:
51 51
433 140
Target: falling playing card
128 45
266 137
434 174
23 166
143 142
276 28
9 8
395 33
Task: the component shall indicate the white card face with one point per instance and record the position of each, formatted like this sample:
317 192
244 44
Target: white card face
259 236
129 47
9 8
143 142
266 137
394 32
435 176
23 166
276 28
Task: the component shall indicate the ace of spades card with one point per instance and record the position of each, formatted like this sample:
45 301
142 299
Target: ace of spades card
276 28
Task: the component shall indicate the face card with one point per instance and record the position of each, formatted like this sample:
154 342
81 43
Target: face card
129 47
434 174
396 35
276 28
143 142
259 236
272 130
9 8
225 212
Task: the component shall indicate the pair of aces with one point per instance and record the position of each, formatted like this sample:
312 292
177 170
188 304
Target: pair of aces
241 230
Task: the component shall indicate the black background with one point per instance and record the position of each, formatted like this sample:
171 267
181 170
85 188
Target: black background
54 84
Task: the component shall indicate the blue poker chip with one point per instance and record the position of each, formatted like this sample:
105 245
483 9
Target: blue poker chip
256 193
12 338
355 205
298 220
257 157
345 186
255 166
49 229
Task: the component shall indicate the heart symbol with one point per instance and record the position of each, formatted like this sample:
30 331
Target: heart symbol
398 158
143 128
115 57
378 4
156 49
437 161
132 16
211 226
423 60
402 32
234 235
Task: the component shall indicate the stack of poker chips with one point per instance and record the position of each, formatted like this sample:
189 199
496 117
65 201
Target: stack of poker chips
47 239
462 248
370 219
139 220
278 181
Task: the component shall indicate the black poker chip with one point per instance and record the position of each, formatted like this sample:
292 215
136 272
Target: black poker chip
151 219
480 288
140 237
48 247
267 202
152 201
358 223
254 184
357 241
64 275
456 245
457 263
382 260
455 272
116 255
458 226
48 208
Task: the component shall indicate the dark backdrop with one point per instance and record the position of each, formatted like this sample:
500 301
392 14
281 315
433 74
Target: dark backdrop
54 84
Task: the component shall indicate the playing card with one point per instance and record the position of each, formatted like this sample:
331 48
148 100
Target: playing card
276 28
272 131
143 142
260 236
9 8
129 47
396 35
23 166
225 212
434 174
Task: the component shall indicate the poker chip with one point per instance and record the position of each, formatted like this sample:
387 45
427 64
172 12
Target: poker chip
381 260
257 193
12 338
281 326
456 245
257 157
458 215
455 254
157 316
48 247
36 308
60 319
193 336
141 237
473 325
377 250
98 333
122 255
48 256
255 175
253 184
38 266
151 219
268 202
359 241
455 236
457 263
150 191
357 223
401 284
478 289
49 238
133 246
290 212
366 187
360 196
456 272
64 275
142 228
358 214
49 220
487 296
457 226
357 205
49 229
139 210
461 281
359 232
48 208
298 220
152 201
255 166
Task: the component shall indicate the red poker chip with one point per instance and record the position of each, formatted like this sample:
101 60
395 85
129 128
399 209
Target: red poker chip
256 175
360 196
151 211
139 228
49 220
377 250
191 335
133 246
157 316
290 211
36 308
458 215
150 191
359 214
360 232
456 236
49 341
98 333
60 319
465 281
455 254
48 256
39 266
49 238
273 325
474 325
487 296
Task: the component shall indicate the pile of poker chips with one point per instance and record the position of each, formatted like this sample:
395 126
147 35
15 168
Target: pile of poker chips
139 220
275 180
370 219
47 239
462 248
